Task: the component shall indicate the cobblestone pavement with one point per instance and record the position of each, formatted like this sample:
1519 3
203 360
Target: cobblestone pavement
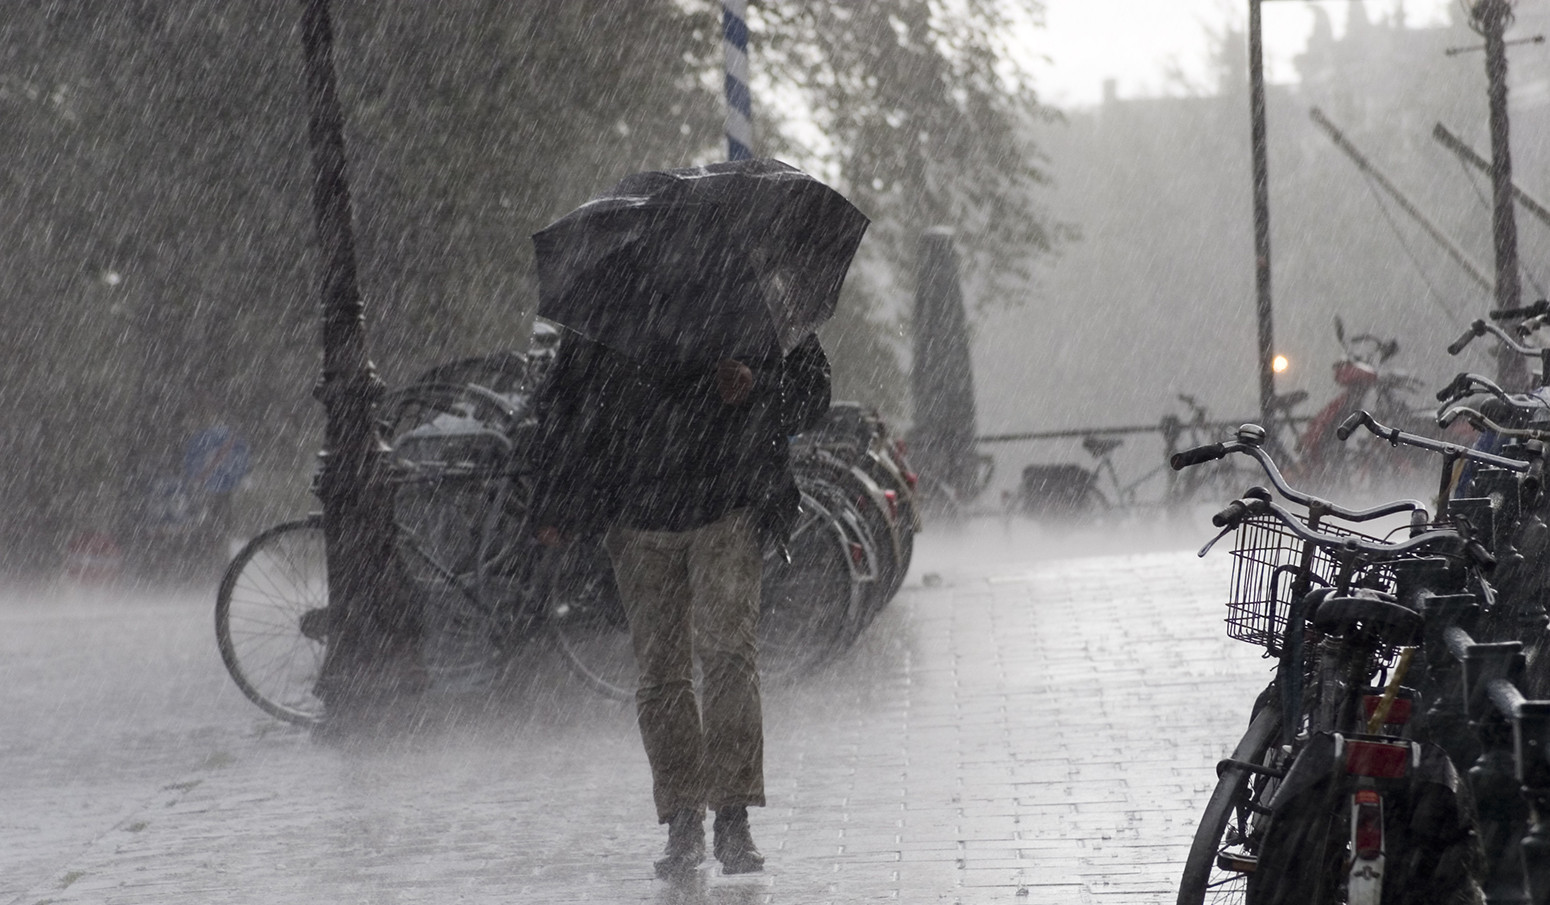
1021 725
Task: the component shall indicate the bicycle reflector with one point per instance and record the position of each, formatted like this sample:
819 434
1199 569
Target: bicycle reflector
1378 759
1367 824
1399 709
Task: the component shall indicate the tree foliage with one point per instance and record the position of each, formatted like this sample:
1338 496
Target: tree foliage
925 115
160 266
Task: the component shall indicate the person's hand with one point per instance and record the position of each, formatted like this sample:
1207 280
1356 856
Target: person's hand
734 381
551 537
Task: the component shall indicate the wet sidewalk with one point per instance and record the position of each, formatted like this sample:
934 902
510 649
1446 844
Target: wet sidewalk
1019 726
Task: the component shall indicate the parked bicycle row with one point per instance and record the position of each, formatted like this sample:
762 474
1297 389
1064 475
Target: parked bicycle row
1106 479
477 590
1399 753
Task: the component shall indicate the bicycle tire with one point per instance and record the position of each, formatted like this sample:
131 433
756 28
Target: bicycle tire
1205 879
585 622
855 496
1432 849
809 603
271 585
454 447
802 609
906 519
853 605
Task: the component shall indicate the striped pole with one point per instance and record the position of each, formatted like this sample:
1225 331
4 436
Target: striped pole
734 40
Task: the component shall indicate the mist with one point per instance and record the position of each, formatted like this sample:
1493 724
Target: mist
991 688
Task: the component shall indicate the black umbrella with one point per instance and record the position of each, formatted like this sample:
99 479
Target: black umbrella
726 259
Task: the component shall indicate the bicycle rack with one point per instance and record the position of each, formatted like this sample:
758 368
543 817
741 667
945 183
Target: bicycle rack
1511 776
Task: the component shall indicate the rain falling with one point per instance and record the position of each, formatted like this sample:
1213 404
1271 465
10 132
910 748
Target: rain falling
688 451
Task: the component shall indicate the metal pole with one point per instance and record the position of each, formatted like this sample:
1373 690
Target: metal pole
1366 166
1494 16
1491 18
357 511
1267 384
1467 154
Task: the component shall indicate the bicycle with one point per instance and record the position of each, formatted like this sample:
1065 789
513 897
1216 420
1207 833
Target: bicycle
476 588
1312 805
1365 381
812 592
449 473
857 439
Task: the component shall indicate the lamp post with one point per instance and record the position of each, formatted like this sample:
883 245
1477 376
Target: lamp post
1261 177
363 646
1491 19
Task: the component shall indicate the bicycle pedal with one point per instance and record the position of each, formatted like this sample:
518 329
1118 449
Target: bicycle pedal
1237 863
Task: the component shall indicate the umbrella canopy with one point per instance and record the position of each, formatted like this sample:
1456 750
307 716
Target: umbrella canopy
729 259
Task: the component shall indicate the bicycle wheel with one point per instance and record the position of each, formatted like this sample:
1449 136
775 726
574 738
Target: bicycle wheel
809 602
440 520
879 515
585 620
271 620
1431 846
1225 848
452 457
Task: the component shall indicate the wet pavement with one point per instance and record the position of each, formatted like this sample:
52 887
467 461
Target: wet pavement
1023 724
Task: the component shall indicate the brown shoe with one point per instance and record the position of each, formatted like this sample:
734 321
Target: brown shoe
685 845
734 843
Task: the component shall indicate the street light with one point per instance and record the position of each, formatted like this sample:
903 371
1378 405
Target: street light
362 651
1261 177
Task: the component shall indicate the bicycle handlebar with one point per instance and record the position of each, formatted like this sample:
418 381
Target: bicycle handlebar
1199 455
1538 309
1481 421
1458 345
1444 541
1480 328
1396 437
1250 436
1235 512
1464 383
1350 424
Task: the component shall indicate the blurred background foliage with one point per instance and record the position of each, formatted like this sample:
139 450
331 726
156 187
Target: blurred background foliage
159 270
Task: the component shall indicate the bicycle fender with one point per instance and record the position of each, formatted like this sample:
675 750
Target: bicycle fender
1314 763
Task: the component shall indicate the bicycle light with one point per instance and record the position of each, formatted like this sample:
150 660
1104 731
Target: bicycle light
1367 824
1279 364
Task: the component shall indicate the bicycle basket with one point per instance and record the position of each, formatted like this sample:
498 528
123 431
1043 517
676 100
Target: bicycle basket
1267 559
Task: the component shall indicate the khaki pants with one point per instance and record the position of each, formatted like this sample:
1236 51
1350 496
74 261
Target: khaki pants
695 594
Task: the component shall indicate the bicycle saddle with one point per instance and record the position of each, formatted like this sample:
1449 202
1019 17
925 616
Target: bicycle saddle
1394 623
1101 446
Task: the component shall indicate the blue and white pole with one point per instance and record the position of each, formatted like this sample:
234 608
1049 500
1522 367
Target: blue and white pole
734 40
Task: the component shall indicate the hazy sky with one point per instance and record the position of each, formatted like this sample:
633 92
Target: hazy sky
1136 41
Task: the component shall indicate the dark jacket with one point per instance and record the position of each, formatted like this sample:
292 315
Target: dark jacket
655 448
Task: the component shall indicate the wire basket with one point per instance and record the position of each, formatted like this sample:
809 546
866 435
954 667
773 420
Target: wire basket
1267 559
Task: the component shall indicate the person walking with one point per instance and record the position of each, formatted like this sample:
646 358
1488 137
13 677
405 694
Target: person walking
683 468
